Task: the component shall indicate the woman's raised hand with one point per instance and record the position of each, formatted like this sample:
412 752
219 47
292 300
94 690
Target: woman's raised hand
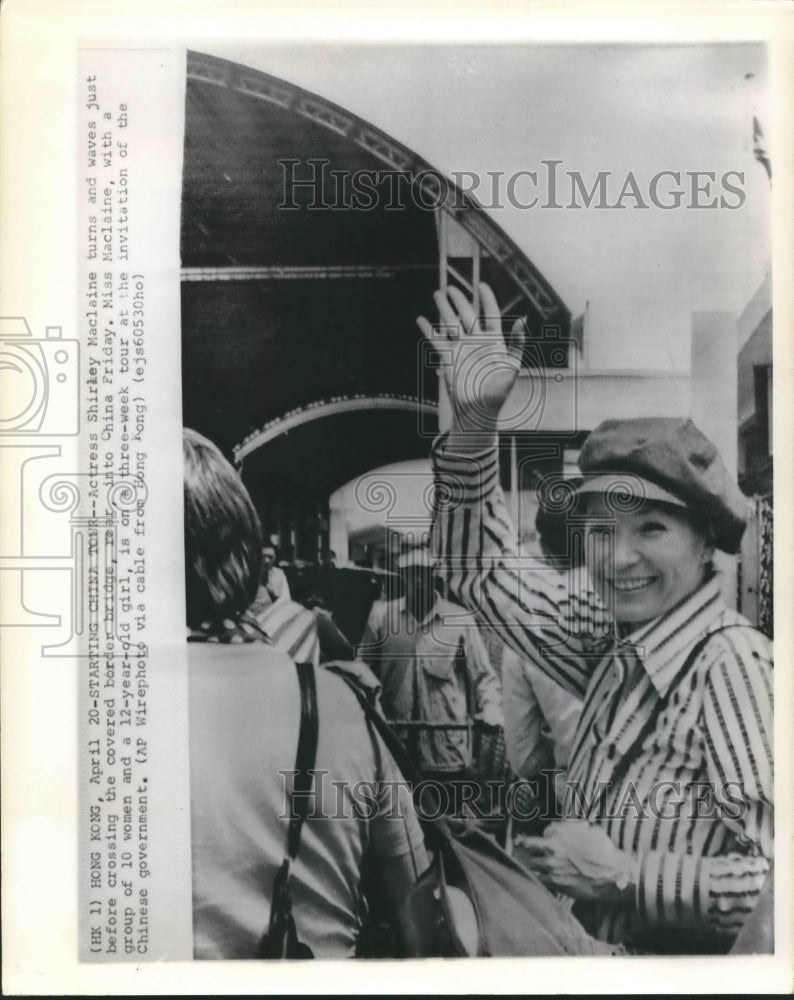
480 365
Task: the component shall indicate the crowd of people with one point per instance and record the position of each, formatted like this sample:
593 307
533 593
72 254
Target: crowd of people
634 707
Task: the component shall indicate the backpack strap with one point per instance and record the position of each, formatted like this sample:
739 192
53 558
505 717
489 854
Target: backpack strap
280 940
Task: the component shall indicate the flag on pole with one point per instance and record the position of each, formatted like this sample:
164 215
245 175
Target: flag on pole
759 148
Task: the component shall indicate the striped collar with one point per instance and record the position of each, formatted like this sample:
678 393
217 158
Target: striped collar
664 643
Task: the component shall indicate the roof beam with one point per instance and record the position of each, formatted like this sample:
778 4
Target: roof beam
299 272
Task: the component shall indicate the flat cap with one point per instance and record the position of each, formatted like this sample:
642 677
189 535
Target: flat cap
674 462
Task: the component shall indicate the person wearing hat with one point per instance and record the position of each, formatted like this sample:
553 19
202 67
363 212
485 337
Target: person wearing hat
666 840
429 656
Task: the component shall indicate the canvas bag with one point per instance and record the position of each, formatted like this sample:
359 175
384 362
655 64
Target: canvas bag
474 899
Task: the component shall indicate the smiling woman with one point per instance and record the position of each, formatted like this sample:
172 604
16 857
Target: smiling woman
644 562
666 840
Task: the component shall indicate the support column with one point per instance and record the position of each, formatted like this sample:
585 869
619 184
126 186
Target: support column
338 535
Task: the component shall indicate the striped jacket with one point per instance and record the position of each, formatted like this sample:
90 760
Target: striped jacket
291 628
694 802
287 625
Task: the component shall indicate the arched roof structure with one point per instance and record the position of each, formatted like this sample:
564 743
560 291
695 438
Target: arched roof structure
301 301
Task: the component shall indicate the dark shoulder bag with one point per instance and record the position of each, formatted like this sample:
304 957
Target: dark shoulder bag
281 940
474 899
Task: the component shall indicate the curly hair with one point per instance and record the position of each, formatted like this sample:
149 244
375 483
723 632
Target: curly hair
223 537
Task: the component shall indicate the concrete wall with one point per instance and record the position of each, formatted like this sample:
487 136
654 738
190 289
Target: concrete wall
571 400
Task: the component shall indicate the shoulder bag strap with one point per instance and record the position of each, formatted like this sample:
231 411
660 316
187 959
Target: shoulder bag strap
305 757
436 830
387 734
281 939
462 666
